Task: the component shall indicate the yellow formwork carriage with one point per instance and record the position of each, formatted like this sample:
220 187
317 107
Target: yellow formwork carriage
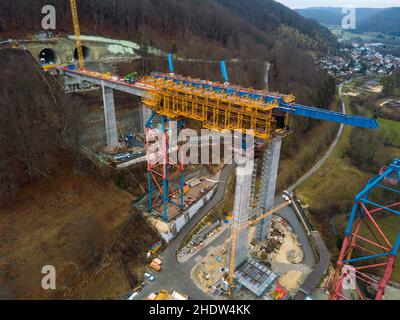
216 111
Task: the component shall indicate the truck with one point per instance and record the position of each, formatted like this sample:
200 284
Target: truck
162 295
155 247
178 296
155 266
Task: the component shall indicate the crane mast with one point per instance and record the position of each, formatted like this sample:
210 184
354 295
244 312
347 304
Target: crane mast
77 31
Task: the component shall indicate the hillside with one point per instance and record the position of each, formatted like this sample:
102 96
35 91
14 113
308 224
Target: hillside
211 28
333 16
368 19
385 21
39 126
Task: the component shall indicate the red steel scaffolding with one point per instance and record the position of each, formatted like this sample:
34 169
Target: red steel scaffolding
368 253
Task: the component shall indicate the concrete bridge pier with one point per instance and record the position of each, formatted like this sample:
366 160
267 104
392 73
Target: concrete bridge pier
241 210
269 175
109 116
146 114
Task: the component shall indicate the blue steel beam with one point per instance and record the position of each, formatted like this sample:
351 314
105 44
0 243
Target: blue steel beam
327 115
224 71
292 108
170 63
374 256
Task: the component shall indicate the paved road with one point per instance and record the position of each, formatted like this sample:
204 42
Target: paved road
175 275
332 147
291 218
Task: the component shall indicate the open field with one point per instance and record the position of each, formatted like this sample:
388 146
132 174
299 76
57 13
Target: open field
328 194
70 223
394 127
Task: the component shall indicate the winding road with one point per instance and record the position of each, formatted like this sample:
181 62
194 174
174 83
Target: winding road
332 147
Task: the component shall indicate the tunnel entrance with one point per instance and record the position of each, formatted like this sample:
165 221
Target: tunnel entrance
47 56
86 53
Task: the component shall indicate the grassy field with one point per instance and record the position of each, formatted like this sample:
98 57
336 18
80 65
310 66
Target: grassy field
365 36
392 126
328 194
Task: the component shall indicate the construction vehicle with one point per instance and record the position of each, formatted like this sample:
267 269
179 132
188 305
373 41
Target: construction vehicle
279 293
234 233
131 141
131 78
162 295
155 266
155 247
178 296
186 189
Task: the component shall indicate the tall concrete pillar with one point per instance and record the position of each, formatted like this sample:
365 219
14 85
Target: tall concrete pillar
269 175
266 75
146 114
241 208
110 118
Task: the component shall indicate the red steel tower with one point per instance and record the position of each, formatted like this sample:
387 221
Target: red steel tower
368 253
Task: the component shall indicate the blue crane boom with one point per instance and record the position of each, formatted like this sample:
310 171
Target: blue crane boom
292 108
328 115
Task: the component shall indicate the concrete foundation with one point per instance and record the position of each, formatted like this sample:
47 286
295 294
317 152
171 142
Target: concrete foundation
255 276
269 174
110 118
173 227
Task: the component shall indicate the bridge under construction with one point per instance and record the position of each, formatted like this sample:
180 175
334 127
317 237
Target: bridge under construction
217 106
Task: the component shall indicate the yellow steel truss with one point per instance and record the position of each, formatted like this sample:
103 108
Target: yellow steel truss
217 111
77 31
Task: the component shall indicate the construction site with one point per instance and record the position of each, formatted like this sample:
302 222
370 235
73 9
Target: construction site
263 247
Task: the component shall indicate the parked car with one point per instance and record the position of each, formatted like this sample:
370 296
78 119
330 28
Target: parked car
149 276
133 295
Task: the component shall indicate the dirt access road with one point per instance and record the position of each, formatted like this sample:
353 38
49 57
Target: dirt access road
332 147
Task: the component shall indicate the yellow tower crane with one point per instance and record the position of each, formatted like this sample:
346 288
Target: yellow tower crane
77 31
235 229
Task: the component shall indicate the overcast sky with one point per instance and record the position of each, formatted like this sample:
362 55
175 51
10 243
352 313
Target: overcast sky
341 3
